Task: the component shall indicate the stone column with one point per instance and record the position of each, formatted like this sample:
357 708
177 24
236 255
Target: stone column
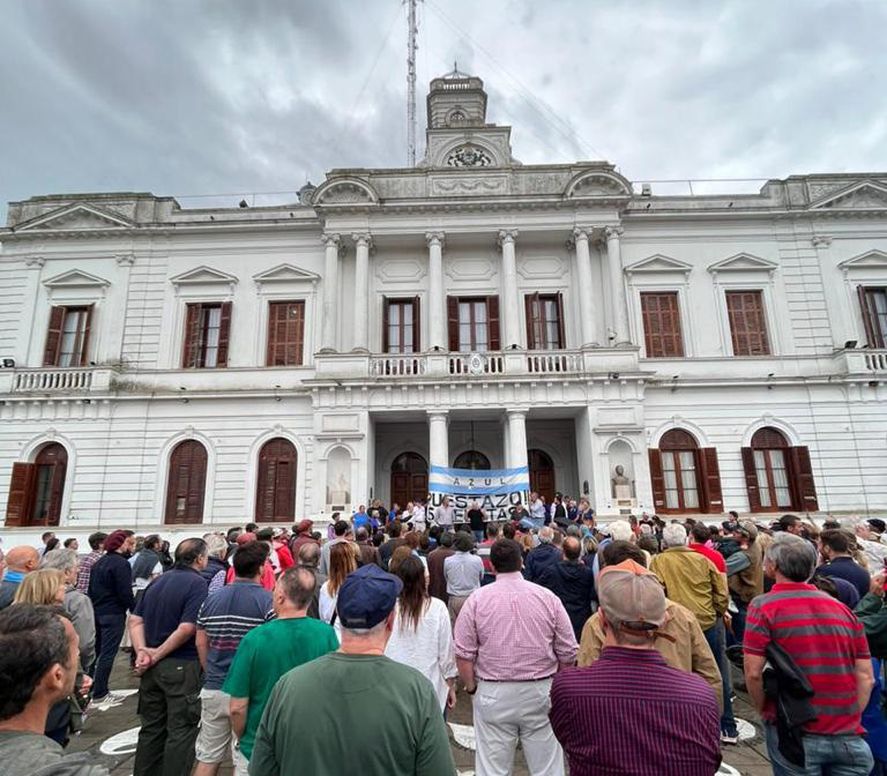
516 450
330 292
617 287
583 275
437 330
438 439
508 309
363 241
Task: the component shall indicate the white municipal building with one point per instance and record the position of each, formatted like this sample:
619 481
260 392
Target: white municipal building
166 366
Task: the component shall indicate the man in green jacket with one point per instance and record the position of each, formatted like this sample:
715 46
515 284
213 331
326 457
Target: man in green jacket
872 613
366 714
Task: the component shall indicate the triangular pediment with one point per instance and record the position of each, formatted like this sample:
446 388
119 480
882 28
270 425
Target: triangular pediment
286 273
203 275
660 263
76 217
869 260
743 262
75 278
865 195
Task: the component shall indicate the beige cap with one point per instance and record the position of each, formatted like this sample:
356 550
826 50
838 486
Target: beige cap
631 595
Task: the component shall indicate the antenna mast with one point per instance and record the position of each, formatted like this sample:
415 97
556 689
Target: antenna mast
413 31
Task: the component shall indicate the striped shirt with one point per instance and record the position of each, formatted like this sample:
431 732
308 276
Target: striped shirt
227 616
630 714
824 638
514 631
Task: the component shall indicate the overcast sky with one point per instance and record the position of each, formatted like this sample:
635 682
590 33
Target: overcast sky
236 96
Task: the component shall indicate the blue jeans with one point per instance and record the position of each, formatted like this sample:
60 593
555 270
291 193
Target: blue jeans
108 635
478 536
715 637
845 755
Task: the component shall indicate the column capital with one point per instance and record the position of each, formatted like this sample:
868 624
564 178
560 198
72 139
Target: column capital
330 238
517 412
821 241
435 238
125 259
506 236
362 239
613 232
34 262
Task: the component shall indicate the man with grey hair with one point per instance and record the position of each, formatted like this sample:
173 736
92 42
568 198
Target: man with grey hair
76 604
309 557
366 713
541 558
216 554
693 581
828 645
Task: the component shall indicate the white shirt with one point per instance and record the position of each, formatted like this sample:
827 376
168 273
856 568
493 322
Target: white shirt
326 607
418 514
429 648
445 515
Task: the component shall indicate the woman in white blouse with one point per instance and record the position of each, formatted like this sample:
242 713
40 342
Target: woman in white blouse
422 635
343 560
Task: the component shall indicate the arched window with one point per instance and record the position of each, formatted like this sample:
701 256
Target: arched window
186 483
472 459
680 463
409 479
276 482
541 474
773 469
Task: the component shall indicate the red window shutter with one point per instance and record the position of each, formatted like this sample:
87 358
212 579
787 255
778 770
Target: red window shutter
191 350
662 325
54 336
417 322
530 307
84 340
657 479
711 480
803 479
751 479
385 324
21 494
224 334
872 334
493 318
453 322
562 339
748 325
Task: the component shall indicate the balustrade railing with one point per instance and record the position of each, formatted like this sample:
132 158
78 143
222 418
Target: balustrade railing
405 365
476 364
53 380
556 362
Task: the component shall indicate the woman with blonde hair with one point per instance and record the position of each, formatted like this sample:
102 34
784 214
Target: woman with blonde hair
343 560
77 604
44 587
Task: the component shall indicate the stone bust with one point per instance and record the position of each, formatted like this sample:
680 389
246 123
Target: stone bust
619 479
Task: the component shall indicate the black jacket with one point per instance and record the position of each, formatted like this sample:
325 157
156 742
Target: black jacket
789 687
573 583
539 559
110 585
213 566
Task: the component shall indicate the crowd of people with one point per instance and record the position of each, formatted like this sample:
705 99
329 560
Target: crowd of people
610 648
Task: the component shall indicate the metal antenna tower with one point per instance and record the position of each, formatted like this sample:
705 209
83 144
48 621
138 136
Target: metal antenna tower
412 46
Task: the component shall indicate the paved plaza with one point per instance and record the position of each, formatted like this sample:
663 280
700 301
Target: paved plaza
110 735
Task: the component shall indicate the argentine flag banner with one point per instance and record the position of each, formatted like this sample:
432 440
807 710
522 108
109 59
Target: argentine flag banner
495 490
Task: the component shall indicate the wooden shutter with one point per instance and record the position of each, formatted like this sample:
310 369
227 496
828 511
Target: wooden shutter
21 494
662 325
748 325
711 480
805 487
453 322
493 322
868 319
191 349
54 336
562 339
224 334
385 322
417 322
751 479
530 307
84 340
657 479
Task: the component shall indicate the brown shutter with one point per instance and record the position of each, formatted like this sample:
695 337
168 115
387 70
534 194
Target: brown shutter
711 480
751 479
54 336
417 323
529 303
657 479
803 479
21 493
453 322
868 319
271 341
385 321
562 339
191 349
84 342
493 322
224 334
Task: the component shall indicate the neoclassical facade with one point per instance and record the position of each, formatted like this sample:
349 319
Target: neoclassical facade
164 367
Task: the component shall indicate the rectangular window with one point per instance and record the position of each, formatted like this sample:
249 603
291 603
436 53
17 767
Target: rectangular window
748 325
68 336
286 333
400 326
207 326
473 324
662 324
874 315
545 321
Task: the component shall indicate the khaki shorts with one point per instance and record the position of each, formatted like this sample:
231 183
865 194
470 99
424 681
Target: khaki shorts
215 736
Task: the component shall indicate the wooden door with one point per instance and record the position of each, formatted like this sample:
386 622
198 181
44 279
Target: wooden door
276 482
542 474
186 484
409 479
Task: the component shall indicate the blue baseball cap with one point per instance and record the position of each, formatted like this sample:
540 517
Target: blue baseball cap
367 597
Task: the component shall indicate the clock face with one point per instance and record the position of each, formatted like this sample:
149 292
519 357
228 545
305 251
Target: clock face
469 156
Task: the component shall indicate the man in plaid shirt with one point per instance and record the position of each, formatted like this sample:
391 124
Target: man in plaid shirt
96 544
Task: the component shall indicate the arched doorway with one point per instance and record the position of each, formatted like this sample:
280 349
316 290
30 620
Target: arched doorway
773 469
186 483
679 453
472 459
409 479
49 485
276 482
541 474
